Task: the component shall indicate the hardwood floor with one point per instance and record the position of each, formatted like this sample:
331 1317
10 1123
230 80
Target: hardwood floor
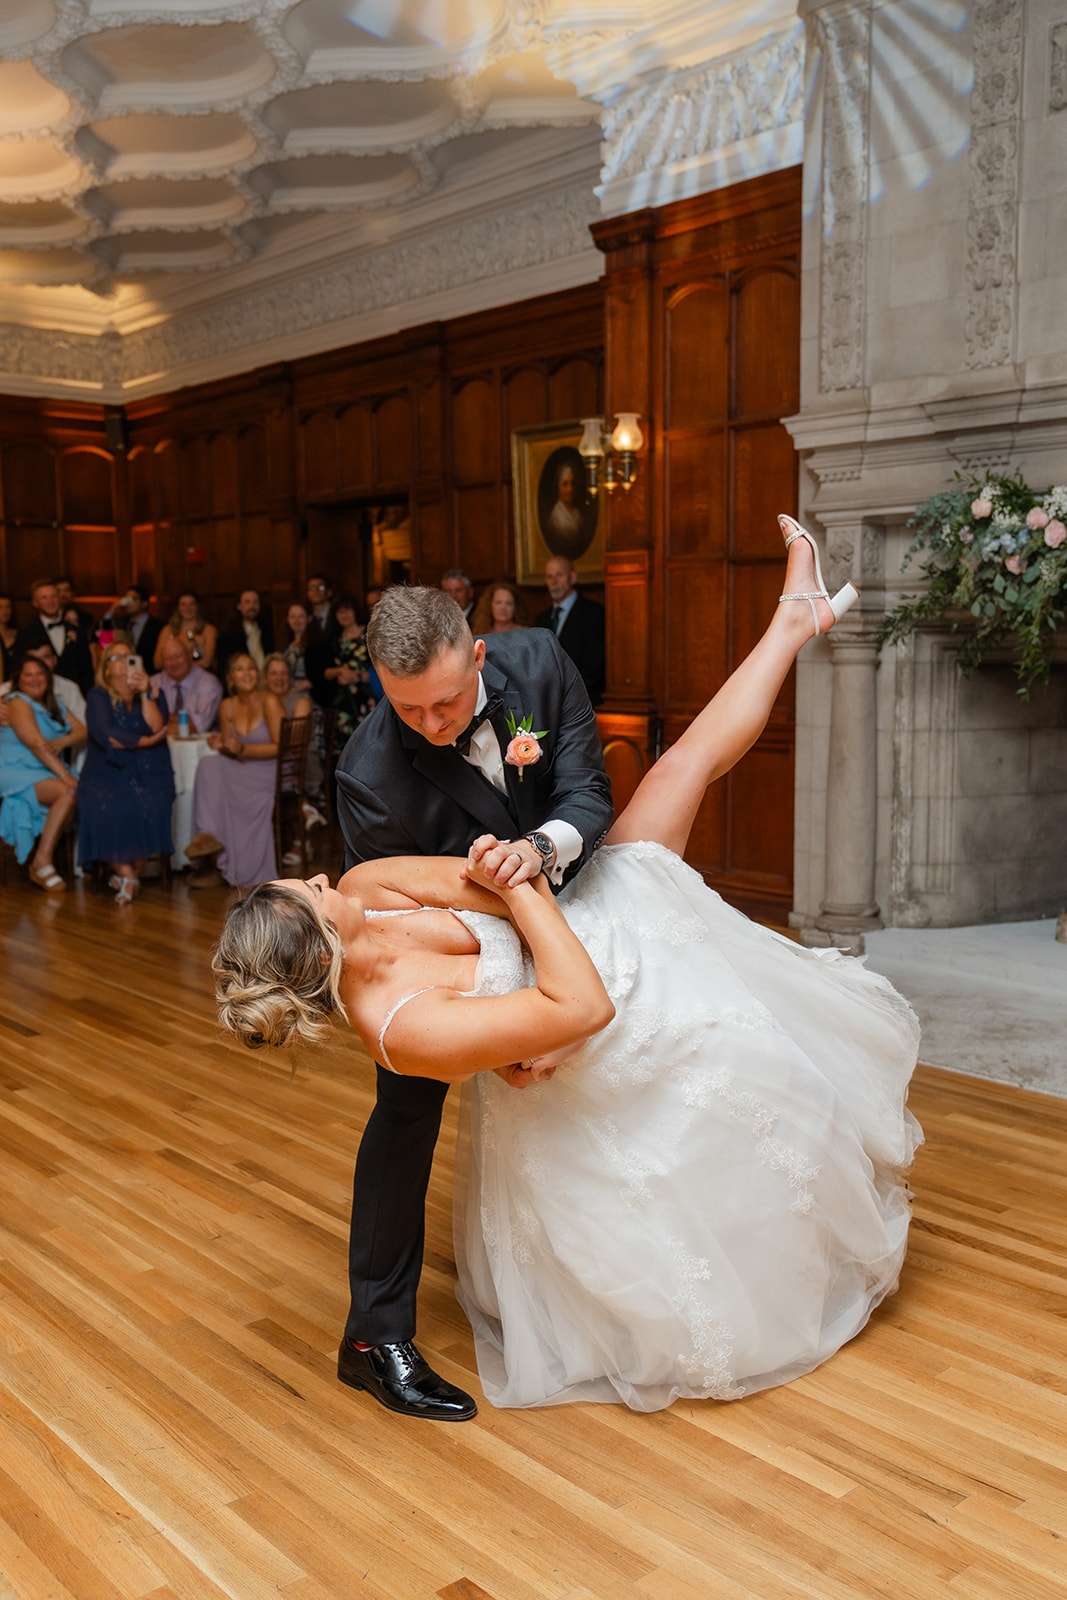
173 1223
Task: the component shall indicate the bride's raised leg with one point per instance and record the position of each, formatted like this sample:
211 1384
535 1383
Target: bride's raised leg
668 796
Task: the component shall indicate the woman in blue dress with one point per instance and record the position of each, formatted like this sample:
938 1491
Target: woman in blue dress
127 784
39 792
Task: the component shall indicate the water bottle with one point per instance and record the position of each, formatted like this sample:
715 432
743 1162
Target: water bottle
183 724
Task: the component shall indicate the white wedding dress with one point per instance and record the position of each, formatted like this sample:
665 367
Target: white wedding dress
708 1198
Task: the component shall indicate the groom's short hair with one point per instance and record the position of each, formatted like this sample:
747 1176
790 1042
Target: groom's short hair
409 627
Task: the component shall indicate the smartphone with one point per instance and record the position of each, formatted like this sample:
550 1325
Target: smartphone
134 664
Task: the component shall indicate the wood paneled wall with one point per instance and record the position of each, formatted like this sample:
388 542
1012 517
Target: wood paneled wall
61 499
262 478
265 477
702 319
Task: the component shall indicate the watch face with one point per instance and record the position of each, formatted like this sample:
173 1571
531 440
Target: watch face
541 843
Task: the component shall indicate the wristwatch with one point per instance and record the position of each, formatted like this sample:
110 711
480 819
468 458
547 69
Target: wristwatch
542 844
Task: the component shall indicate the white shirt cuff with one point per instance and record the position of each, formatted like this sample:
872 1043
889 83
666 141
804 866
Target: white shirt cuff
568 843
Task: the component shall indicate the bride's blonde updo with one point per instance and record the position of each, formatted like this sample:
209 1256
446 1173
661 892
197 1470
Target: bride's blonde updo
277 969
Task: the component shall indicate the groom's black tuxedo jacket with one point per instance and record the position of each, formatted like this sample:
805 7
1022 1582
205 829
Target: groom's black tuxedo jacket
399 795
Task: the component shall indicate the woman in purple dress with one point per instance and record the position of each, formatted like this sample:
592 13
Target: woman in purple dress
127 786
233 798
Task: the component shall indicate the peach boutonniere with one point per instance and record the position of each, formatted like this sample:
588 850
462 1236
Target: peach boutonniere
524 748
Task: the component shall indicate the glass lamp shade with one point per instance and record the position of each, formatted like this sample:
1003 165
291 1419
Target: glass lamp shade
627 437
591 446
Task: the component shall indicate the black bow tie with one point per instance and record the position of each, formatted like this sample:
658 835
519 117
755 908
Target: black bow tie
494 704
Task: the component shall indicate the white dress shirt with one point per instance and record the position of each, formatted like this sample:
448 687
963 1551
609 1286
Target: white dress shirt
485 755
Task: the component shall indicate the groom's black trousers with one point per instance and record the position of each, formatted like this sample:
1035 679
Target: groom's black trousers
389 1207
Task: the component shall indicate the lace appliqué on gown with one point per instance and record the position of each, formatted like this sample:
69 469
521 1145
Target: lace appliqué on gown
705 1200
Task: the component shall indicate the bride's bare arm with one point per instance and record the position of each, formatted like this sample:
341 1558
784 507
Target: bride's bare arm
451 1037
402 882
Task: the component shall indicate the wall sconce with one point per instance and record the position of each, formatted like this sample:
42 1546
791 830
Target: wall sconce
617 451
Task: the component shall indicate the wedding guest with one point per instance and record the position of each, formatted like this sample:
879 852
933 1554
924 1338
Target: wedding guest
189 623
187 687
306 652
320 599
70 642
279 680
350 671
233 798
37 789
68 602
247 631
130 614
127 785
457 583
69 697
499 610
8 634
578 624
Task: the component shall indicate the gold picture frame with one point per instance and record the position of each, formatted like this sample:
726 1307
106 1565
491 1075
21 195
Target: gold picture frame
555 515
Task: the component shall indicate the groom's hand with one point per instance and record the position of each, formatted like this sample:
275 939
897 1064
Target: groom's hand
504 863
522 1073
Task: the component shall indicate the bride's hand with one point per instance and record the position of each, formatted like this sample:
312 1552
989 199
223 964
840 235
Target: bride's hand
522 1073
500 864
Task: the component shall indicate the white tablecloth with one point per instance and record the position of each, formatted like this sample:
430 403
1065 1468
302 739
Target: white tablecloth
185 756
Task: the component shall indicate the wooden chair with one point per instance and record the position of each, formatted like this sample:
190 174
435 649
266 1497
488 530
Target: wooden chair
289 790
329 763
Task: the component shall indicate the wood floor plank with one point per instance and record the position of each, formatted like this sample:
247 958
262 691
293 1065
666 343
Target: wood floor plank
173 1231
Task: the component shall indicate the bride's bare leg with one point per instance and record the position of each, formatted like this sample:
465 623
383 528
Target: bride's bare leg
668 796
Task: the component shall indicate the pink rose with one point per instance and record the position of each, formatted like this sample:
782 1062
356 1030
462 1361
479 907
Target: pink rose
1012 565
981 508
523 751
1036 518
1055 534
966 536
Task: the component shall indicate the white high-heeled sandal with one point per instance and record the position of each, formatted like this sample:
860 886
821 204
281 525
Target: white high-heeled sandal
839 603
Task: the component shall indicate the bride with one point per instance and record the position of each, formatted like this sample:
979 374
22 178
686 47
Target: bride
700 1190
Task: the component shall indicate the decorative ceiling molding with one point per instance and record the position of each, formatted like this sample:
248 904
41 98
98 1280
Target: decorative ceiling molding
736 113
531 246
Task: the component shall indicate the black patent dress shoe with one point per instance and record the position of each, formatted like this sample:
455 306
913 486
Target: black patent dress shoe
397 1376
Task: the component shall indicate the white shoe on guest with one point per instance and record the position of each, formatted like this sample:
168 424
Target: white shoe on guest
839 603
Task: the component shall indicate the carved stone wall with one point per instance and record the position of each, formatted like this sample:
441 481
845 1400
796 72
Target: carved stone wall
993 198
843 35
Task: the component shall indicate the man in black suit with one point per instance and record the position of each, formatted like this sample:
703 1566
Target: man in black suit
247 631
578 624
424 774
70 643
457 583
131 613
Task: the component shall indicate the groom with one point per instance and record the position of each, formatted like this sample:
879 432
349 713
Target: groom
425 775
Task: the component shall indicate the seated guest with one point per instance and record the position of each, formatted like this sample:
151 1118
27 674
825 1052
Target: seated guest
306 653
279 680
8 634
187 687
499 610
248 630
130 614
190 624
68 696
127 785
233 799
37 789
69 641
349 673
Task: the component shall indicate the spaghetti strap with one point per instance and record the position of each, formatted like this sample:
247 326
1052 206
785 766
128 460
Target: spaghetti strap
382 1052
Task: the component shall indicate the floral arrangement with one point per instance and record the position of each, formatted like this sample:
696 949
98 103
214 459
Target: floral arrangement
524 748
995 552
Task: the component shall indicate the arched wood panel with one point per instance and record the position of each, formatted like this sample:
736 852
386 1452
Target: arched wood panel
355 448
476 441
393 430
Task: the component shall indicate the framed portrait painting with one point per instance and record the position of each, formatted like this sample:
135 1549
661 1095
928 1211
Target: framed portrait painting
555 515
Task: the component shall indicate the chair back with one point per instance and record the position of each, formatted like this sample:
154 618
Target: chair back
293 740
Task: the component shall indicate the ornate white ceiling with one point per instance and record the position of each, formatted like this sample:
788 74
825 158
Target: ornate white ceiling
188 187
182 134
